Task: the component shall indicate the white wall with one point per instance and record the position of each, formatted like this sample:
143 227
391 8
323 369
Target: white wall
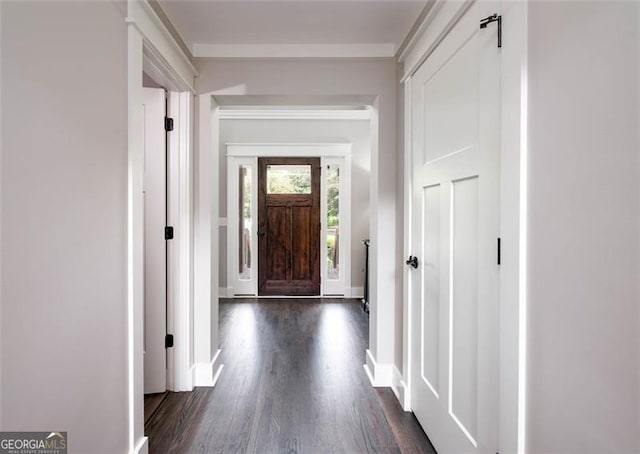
64 189
356 132
376 78
206 249
584 227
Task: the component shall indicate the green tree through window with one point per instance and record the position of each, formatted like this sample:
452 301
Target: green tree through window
289 179
333 197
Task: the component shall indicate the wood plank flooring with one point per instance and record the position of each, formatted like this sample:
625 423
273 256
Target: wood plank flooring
293 383
152 403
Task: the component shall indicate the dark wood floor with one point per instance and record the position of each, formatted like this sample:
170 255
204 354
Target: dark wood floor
152 403
293 382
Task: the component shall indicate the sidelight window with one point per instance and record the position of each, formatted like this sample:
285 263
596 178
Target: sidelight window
333 222
245 223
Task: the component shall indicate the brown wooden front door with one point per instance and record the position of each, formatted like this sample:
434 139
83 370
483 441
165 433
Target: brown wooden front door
289 226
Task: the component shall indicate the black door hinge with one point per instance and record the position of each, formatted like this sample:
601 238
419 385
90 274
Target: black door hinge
493 18
499 251
168 232
168 124
168 341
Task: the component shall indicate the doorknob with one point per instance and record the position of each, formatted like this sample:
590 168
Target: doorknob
413 261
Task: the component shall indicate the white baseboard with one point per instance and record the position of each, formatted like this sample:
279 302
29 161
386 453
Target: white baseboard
187 380
349 292
399 388
183 380
207 374
380 375
217 374
225 292
142 447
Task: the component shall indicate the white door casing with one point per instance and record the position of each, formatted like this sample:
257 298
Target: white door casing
155 271
150 44
455 97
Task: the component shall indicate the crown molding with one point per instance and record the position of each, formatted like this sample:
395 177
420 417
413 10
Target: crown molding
159 43
426 15
293 114
289 149
440 20
155 6
375 50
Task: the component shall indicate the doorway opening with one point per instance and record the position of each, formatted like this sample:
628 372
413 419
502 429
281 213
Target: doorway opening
166 238
289 220
152 51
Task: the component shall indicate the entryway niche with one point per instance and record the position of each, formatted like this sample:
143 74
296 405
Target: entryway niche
341 138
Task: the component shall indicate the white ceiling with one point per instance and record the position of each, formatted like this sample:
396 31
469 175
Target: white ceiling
295 28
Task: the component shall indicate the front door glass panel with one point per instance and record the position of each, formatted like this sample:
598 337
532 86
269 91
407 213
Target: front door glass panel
289 179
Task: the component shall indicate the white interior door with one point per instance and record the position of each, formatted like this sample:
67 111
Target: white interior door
455 99
155 254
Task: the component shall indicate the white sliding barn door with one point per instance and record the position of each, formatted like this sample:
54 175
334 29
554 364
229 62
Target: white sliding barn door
455 98
155 254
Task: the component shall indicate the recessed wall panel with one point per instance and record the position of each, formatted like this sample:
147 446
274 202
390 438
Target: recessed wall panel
431 287
451 105
464 305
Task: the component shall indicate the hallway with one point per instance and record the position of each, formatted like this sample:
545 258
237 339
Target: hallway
293 382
